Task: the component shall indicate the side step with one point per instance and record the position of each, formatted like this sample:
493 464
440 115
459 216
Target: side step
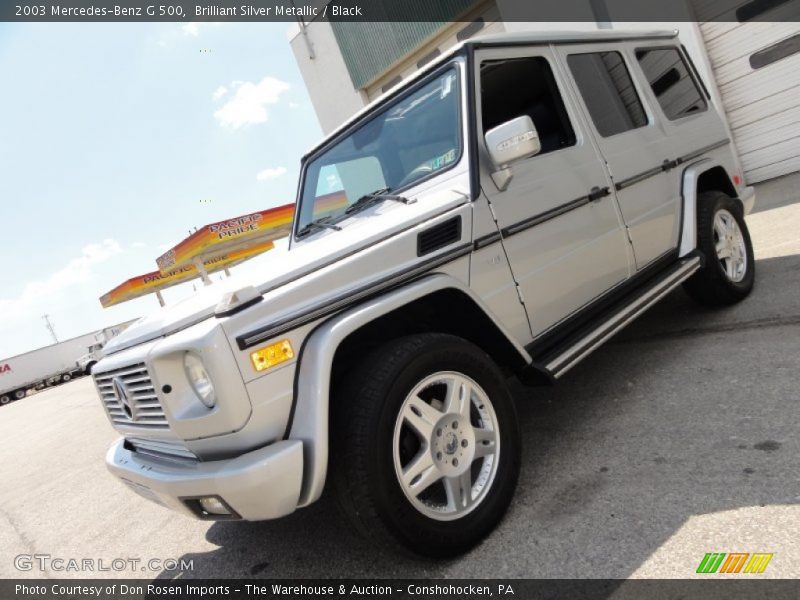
557 361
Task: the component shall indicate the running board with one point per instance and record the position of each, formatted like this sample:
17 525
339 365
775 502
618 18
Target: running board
558 361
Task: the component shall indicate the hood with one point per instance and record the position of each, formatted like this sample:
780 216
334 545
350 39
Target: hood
320 250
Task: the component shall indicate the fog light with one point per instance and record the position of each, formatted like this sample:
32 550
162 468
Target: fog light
272 355
214 505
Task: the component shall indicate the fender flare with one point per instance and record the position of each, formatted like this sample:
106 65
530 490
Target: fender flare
310 423
691 175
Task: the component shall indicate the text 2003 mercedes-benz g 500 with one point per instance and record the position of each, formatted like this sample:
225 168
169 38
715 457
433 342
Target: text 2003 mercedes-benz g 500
502 214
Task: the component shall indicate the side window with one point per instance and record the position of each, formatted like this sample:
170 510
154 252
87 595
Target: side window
511 88
671 83
608 92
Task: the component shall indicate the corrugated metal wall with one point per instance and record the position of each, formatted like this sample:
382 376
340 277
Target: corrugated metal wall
757 69
485 19
368 49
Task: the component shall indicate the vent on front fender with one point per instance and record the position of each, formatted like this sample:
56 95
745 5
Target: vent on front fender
439 236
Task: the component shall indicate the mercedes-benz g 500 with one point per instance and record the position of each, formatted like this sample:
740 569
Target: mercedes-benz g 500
502 214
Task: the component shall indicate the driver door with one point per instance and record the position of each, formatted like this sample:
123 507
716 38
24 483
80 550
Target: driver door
565 247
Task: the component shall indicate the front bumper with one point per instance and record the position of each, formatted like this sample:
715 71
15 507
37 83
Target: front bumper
258 485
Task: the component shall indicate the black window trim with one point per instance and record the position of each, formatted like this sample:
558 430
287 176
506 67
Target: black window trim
693 70
689 69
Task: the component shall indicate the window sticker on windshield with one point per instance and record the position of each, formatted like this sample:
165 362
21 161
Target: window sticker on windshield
444 159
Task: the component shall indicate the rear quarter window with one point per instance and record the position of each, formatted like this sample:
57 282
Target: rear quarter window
671 82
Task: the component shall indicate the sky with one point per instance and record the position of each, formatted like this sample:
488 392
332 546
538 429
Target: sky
116 140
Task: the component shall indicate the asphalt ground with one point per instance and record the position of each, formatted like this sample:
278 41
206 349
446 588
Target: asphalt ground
677 438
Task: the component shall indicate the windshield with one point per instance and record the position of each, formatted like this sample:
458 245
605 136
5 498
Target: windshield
410 139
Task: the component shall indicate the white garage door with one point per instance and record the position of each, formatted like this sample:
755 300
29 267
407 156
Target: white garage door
757 69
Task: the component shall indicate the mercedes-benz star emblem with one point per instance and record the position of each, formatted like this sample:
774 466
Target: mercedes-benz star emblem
122 393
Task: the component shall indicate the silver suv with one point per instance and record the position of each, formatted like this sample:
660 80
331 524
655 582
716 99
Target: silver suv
502 214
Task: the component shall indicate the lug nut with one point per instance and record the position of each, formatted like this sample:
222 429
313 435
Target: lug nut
455 462
439 432
438 456
463 443
455 424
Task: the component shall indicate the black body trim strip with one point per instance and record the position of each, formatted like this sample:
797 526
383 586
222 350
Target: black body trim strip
545 216
639 177
596 194
487 240
701 151
348 298
669 164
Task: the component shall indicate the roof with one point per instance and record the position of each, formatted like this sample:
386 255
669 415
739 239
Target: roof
499 39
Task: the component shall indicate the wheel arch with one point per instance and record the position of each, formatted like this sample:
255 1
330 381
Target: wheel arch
702 176
335 344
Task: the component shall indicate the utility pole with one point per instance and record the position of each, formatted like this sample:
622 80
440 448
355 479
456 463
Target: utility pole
50 328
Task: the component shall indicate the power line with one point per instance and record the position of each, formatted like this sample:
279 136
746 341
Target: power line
50 328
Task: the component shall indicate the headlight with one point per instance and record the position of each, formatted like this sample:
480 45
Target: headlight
198 377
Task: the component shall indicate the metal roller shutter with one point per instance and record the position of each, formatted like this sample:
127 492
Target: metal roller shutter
757 69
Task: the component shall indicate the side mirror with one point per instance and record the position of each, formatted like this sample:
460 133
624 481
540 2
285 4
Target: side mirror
513 140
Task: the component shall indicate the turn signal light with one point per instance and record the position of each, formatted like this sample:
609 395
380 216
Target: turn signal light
272 355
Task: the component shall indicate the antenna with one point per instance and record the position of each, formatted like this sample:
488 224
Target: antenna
50 328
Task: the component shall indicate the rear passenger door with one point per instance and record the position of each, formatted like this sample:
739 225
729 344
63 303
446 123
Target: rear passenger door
634 142
564 246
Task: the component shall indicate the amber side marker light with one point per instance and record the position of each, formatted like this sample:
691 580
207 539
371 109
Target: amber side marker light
272 355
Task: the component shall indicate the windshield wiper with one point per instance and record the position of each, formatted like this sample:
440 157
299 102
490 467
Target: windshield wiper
321 223
375 197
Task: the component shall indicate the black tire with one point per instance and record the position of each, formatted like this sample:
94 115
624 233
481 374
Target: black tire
4 399
88 369
66 377
364 416
711 285
20 394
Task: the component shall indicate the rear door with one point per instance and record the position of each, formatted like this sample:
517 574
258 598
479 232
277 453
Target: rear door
565 248
633 140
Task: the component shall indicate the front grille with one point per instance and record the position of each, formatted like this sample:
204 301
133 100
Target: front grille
130 398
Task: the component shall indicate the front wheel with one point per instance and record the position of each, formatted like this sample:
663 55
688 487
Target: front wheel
722 236
427 445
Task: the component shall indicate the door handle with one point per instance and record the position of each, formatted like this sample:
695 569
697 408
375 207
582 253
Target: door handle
597 192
